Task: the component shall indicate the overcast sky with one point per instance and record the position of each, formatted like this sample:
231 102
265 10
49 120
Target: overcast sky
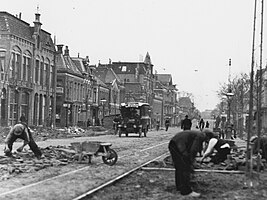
190 39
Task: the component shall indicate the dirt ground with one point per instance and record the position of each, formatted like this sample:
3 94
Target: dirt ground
143 184
158 185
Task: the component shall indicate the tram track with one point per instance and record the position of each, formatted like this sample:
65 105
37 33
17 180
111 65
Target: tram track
127 164
90 192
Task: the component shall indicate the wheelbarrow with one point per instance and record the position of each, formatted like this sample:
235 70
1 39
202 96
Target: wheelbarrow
87 149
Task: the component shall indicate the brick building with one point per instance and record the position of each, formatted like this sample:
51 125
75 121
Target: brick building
27 71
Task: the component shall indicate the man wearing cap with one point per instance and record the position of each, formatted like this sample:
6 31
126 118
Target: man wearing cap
21 131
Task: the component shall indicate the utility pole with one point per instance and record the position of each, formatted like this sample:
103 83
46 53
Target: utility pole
248 171
259 122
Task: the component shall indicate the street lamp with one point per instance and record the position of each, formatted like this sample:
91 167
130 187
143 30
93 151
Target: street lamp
115 101
103 101
229 96
67 106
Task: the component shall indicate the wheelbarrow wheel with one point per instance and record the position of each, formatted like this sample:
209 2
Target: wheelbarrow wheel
111 158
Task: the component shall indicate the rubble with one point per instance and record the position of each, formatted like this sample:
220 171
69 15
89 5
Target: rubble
235 161
24 162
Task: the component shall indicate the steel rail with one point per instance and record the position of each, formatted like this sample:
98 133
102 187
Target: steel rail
112 181
61 175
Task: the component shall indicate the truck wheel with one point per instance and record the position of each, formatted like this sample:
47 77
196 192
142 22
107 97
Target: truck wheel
145 131
111 158
140 132
119 132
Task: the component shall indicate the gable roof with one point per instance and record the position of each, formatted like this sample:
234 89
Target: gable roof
15 26
166 79
66 64
106 74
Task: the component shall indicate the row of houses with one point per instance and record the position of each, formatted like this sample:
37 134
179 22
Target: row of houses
42 81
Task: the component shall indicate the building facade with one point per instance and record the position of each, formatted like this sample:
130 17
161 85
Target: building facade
27 72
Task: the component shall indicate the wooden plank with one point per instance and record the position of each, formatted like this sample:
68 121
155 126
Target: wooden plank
196 170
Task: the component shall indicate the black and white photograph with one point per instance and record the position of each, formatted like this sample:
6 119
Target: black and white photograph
133 100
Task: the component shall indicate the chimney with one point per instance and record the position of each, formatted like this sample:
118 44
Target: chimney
78 55
37 23
20 15
66 52
59 48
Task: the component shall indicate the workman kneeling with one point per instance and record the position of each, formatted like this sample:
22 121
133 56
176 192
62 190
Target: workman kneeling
220 145
260 145
21 131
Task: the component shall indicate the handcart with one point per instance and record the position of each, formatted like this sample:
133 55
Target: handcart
87 149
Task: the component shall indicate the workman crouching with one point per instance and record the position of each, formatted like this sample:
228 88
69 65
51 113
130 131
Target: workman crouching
220 145
21 131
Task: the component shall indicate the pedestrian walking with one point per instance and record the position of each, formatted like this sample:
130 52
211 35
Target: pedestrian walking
183 148
167 124
157 125
207 124
186 123
201 124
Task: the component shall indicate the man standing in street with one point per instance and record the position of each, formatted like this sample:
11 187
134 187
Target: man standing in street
167 124
186 123
183 148
21 130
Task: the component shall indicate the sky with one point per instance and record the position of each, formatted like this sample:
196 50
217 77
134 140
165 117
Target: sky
192 40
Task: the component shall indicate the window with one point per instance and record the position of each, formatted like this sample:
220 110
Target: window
52 80
15 64
25 104
2 64
13 109
24 68
46 74
18 67
75 91
42 72
29 60
37 71
124 68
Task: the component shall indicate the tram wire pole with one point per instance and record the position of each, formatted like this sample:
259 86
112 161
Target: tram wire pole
248 170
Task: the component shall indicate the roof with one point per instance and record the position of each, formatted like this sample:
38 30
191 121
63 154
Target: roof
128 67
79 64
106 74
67 64
165 78
15 26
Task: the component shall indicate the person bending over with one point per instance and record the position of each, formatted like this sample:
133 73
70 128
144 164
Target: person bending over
21 130
220 145
183 148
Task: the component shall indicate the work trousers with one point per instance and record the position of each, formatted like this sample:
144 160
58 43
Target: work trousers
33 146
221 155
182 169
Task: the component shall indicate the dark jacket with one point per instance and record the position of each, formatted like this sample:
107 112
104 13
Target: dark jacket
189 143
261 145
186 124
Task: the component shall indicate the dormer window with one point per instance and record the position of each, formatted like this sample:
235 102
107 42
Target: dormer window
124 68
